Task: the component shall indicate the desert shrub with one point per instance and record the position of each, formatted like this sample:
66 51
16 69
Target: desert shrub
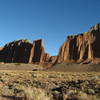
17 63
75 95
31 93
6 91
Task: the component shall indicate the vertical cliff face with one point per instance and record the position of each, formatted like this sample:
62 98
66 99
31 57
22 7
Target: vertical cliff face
37 52
22 51
81 47
77 48
16 51
95 30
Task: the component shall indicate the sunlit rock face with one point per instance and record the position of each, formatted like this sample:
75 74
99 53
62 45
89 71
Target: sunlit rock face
81 47
37 52
76 48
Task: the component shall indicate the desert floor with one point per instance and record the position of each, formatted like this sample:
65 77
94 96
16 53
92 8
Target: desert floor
32 82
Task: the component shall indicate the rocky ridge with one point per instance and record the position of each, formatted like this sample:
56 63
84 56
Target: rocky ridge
23 51
81 48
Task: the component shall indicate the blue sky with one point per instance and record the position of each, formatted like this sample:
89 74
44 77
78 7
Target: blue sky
51 20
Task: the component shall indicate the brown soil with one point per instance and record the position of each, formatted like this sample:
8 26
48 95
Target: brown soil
72 67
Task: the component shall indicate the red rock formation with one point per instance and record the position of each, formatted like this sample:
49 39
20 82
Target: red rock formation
78 48
37 52
21 51
46 58
81 47
52 59
1 48
16 52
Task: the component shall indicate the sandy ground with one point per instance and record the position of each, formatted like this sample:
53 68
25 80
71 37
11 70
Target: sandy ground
19 66
72 67
63 67
61 79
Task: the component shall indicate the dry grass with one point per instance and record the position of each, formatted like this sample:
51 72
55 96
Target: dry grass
31 93
38 85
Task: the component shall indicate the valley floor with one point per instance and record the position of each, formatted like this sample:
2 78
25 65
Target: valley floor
26 84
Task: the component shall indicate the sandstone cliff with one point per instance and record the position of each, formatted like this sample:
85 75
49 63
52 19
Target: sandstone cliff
77 48
52 59
16 52
1 48
81 47
46 57
22 51
37 52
